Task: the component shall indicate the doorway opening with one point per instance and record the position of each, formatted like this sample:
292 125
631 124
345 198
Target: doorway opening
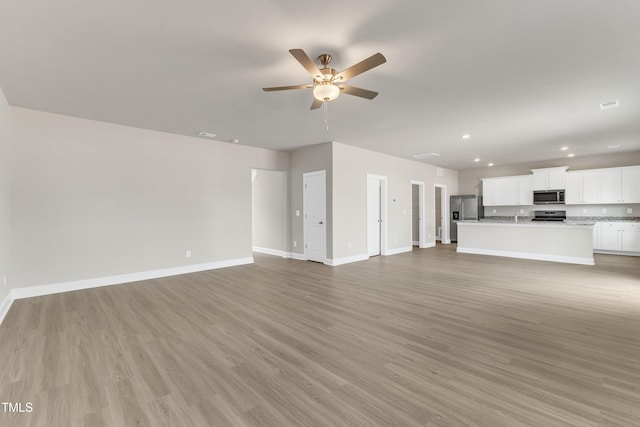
269 219
417 214
376 215
441 227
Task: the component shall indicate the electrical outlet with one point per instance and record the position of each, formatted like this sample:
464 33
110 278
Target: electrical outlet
295 243
297 212
584 211
187 254
494 211
350 245
521 210
604 210
629 210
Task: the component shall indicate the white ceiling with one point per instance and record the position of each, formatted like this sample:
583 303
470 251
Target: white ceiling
522 77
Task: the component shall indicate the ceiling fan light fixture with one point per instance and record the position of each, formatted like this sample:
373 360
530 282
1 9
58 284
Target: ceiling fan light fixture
326 92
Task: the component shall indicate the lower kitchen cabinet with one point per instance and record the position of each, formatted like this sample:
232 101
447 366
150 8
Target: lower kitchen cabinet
617 236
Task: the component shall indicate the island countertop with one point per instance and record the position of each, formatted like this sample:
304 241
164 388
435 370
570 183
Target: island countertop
546 241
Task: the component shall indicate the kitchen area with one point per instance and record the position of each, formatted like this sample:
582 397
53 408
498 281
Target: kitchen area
548 215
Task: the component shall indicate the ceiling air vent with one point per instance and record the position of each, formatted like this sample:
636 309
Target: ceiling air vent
609 105
425 156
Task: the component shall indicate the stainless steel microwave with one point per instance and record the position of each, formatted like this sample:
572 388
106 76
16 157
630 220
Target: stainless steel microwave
548 197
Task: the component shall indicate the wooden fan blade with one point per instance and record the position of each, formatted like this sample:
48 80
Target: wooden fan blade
362 66
356 91
316 104
306 62
271 89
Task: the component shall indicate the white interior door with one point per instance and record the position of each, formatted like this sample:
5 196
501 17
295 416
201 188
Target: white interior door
374 215
314 220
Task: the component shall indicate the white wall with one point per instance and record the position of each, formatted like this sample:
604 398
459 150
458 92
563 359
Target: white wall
350 168
5 212
93 199
269 211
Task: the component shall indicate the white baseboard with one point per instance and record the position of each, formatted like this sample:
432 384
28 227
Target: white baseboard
428 245
268 251
6 305
526 255
398 250
76 285
416 243
294 255
346 260
605 252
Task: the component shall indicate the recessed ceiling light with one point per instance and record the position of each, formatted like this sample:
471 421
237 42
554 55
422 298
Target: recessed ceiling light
570 155
610 146
466 136
564 148
476 160
207 134
609 105
490 164
425 156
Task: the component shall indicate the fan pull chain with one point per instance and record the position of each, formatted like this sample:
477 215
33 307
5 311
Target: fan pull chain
326 116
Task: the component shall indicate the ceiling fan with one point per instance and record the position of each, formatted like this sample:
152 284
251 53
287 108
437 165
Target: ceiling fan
327 82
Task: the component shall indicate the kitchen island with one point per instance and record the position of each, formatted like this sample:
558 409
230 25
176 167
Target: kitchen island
547 241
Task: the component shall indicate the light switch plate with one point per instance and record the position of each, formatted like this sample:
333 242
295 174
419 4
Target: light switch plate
629 210
297 213
494 211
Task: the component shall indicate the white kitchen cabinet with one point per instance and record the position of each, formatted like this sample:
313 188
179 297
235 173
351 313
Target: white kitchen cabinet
630 177
525 190
549 178
507 191
611 185
583 187
610 238
617 236
630 237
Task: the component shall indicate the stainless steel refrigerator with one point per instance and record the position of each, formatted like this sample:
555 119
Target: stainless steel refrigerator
464 208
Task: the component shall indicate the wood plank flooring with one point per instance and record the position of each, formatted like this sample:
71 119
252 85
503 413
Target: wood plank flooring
427 338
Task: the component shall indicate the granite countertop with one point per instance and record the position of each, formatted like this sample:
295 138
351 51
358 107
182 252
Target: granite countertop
571 220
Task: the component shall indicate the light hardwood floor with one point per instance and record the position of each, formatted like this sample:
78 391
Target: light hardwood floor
429 338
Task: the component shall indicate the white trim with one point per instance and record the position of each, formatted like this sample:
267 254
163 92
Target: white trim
6 305
416 243
276 252
295 255
346 260
428 245
527 255
609 252
76 285
399 250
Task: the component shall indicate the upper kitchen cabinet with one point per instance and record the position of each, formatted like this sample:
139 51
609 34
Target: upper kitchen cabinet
621 185
549 178
507 191
631 184
583 187
603 186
